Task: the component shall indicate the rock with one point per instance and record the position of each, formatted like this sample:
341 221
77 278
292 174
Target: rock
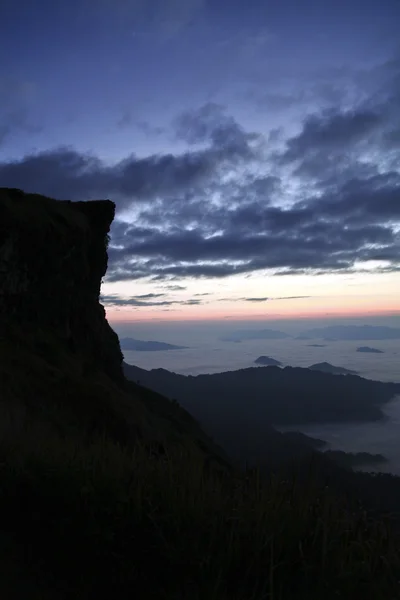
53 255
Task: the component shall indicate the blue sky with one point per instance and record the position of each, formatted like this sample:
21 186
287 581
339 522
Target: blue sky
252 148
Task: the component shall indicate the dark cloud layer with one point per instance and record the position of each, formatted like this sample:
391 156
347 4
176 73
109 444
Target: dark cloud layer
68 174
144 301
328 201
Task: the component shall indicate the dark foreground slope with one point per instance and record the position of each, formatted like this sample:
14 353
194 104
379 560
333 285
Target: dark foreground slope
109 489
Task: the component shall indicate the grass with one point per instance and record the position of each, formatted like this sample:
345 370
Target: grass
90 517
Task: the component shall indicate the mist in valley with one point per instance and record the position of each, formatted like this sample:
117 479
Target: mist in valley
206 353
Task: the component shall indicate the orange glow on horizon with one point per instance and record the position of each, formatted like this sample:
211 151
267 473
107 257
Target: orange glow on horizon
323 312
303 297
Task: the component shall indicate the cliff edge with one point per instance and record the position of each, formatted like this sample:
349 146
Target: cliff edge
53 255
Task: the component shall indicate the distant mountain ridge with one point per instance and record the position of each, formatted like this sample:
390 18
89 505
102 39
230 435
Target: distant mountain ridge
331 333
325 367
273 393
147 346
255 334
354 332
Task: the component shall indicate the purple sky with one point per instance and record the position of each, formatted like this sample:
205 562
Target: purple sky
240 141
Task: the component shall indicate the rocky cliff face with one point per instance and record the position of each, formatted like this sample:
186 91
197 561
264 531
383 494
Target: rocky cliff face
53 255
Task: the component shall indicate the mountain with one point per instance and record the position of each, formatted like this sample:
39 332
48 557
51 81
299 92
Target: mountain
267 361
254 334
326 367
108 487
354 332
270 395
147 346
368 349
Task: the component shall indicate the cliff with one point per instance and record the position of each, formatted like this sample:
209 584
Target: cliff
60 361
52 258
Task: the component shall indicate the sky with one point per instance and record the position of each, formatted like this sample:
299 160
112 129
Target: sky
252 148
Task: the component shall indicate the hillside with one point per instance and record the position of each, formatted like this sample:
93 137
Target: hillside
326 367
279 396
110 489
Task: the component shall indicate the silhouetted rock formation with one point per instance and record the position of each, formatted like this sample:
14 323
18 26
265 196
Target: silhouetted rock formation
53 255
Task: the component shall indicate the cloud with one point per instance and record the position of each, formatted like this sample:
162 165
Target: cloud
329 233
191 237
352 135
266 298
175 288
140 301
147 296
331 131
290 297
227 205
68 174
210 123
115 300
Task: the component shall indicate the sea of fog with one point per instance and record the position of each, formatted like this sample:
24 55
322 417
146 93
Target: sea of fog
381 437
207 354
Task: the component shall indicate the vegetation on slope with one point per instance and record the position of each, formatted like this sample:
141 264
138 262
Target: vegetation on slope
85 518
